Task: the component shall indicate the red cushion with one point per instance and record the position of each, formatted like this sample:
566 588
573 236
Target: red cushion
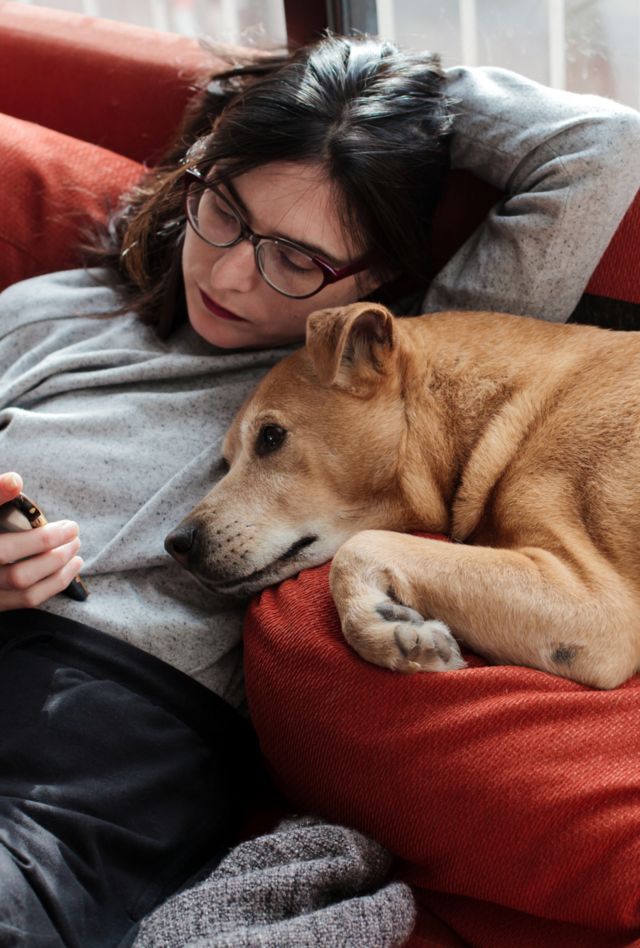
52 187
511 797
618 274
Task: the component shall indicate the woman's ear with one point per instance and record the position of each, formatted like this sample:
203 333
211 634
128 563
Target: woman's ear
351 346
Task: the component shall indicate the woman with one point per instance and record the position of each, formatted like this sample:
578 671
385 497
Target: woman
309 182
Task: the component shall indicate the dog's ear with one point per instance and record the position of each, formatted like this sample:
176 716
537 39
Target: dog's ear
351 346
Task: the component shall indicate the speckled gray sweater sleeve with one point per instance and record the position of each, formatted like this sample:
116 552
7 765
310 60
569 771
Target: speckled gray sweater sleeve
569 166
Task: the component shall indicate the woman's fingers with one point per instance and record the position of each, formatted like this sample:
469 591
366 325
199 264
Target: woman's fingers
10 487
25 573
37 564
38 593
19 546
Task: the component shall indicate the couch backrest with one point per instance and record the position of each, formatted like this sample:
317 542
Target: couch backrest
124 88
111 84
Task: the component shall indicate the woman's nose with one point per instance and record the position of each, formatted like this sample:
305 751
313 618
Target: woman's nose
234 268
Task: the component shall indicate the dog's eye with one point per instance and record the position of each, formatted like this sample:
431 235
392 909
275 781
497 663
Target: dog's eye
223 466
270 438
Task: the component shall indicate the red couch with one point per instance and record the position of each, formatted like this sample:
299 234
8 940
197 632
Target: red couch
83 103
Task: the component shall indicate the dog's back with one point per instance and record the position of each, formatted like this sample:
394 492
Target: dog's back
563 438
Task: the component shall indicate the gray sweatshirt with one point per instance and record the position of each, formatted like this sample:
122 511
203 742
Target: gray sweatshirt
120 431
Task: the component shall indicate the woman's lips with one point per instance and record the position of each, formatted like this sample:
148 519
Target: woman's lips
220 311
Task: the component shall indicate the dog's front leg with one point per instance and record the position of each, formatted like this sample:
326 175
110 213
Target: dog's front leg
398 596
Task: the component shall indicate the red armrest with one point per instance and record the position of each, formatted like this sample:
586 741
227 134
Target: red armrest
112 84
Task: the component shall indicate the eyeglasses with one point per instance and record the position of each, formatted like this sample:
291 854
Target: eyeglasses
287 267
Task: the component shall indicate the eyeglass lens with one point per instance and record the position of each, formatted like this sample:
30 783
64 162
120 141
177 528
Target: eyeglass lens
284 267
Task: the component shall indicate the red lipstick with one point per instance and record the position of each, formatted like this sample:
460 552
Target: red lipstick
220 311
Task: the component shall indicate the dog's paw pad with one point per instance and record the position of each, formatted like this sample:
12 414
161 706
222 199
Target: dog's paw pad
407 639
423 644
395 612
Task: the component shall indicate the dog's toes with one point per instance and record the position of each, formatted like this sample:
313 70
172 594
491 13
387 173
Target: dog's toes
436 649
423 644
439 638
407 639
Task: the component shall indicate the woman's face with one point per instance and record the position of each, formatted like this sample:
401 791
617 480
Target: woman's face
228 302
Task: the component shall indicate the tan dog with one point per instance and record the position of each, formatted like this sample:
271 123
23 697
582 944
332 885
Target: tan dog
519 437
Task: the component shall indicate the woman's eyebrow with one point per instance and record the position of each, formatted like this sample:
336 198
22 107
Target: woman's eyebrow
229 185
312 248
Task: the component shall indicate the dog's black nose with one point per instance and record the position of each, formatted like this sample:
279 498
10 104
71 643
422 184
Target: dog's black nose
180 542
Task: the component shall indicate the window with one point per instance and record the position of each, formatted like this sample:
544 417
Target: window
581 45
255 22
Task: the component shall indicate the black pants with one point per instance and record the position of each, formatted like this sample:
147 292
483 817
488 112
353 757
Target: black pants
120 777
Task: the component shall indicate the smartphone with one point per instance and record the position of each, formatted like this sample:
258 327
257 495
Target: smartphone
22 514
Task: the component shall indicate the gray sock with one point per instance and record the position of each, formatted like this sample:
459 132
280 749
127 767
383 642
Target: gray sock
306 884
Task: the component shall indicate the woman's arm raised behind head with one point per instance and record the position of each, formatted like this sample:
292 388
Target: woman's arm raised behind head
568 166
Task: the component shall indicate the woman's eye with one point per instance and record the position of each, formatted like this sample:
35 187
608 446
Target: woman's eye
292 260
212 207
270 438
223 210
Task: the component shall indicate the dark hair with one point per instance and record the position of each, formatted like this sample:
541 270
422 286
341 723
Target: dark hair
375 117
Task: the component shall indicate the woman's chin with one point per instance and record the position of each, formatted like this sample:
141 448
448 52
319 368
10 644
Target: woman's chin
222 333
226 330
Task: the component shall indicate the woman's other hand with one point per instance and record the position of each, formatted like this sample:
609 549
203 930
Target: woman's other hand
35 564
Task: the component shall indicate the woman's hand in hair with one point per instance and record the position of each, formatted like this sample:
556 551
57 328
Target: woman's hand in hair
35 564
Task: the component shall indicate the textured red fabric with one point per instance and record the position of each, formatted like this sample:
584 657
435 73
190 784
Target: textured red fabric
52 187
510 797
618 273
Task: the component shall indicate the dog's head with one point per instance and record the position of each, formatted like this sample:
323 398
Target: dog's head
312 458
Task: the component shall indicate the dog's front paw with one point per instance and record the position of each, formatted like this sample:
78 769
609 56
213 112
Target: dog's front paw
397 637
